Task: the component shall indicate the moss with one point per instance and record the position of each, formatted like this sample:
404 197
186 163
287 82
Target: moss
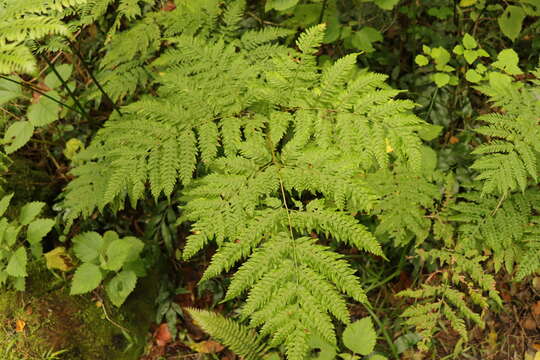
54 320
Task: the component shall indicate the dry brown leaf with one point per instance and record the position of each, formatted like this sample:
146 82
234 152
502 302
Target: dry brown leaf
529 323
162 335
20 325
207 347
536 308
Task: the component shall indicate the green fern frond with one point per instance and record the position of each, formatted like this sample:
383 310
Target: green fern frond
238 338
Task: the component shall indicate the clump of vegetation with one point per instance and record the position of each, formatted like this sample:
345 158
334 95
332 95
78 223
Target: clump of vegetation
300 178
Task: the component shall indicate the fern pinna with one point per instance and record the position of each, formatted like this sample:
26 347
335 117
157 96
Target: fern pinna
293 175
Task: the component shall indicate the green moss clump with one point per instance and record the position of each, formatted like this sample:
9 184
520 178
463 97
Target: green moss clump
53 321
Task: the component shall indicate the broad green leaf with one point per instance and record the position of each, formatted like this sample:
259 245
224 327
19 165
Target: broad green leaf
44 112
4 203
36 231
531 7
17 263
52 81
365 37
360 336
17 135
11 233
441 79
121 286
508 60
87 277
469 42
429 132
88 246
458 50
9 90
473 76
325 351
467 3
30 211
307 14
279 5
377 357
386 4
117 253
135 248
440 55
59 259
470 56
421 60
511 21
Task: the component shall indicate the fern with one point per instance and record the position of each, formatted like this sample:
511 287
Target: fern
505 227
159 140
510 159
286 179
243 341
22 23
447 302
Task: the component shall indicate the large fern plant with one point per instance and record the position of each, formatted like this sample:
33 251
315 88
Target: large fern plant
290 178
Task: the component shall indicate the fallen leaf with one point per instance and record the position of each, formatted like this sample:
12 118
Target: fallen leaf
536 347
169 6
59 259
207 347
536 283
454 140
529 324
537 356
536 308
19 325
162 335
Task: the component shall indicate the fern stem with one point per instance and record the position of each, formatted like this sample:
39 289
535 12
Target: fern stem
41 93
323 8
94 79
431 103
65 86
385 333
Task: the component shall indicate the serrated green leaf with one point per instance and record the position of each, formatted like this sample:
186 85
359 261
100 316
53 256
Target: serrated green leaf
9 90
324 350
360 336
4 203
441 79
279 5
17 263
421 60
30 211
88 246
117 253
511 21
470 56
120 286
469 42
87 277
17 135
508 60
386 4
52 81
365 37
429 132
35 233
43 112
473 76
458 50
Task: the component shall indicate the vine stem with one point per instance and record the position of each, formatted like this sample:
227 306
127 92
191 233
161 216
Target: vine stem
41 93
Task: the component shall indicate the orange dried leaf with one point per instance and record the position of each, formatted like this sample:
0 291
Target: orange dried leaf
20 325
163 335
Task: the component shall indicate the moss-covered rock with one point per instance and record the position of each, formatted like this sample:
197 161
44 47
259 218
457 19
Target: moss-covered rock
46 318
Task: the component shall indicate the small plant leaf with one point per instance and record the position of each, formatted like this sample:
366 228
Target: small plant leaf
30 211
87 277
360 336
121 286
17 135
88 246
17 263
511 21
